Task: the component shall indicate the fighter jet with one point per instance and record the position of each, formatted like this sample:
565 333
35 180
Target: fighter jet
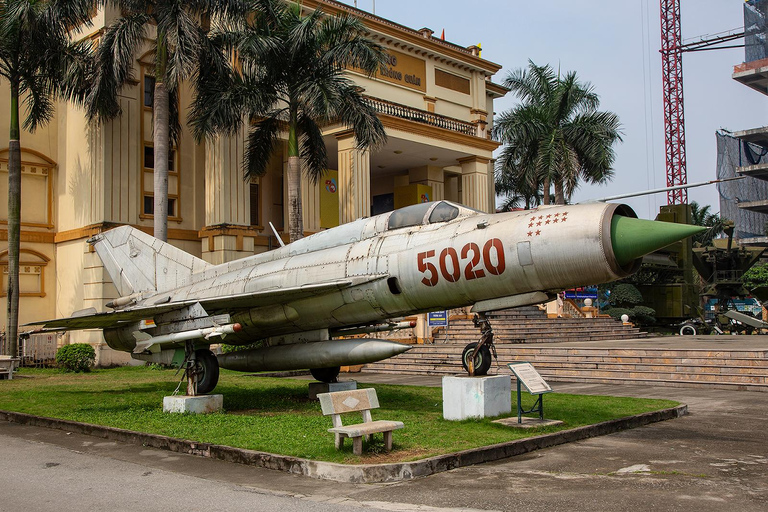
290 304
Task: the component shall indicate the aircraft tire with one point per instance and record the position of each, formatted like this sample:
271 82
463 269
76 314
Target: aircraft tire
482 359
326 374
688 330
208 371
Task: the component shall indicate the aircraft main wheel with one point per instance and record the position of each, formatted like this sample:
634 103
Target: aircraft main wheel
688 330
207 368
482 359
326 374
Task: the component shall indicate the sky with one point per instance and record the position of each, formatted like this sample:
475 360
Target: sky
614 46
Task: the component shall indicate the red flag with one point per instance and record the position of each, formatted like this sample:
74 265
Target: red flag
443 35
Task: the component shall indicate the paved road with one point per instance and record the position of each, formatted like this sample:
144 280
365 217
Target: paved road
715 457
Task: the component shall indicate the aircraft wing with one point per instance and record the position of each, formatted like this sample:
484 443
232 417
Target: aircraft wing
221 303
281 295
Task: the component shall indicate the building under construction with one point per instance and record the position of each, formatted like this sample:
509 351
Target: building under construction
745 153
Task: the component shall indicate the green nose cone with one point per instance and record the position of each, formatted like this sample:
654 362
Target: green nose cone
633 238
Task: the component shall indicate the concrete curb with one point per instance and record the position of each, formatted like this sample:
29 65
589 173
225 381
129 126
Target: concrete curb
363 473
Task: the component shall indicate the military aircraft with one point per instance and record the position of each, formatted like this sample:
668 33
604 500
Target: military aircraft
293 301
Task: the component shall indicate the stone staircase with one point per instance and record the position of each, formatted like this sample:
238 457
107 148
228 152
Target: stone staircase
531 325
734 368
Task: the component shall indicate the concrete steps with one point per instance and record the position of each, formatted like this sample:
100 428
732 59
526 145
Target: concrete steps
531 325
736 368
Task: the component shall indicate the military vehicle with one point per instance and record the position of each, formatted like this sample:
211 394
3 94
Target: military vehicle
294 301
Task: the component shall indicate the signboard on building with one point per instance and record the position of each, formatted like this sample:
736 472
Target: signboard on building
437 319
403 69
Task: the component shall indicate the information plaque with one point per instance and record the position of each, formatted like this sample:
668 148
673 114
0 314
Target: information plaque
535 384
531 379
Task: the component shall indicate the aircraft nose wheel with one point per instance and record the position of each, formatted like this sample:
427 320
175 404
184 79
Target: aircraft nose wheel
482 361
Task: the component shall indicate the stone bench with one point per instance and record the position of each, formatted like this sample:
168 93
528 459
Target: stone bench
7 366
363 400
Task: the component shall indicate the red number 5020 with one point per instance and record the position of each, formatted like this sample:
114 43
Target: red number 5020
449 262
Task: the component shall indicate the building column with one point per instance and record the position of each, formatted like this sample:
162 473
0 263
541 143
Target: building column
227 234
431 176
354 179
310 204
474 183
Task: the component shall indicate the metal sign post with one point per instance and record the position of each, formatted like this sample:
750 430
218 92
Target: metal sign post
527 376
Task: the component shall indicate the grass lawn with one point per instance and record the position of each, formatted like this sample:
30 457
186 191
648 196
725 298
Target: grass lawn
275 415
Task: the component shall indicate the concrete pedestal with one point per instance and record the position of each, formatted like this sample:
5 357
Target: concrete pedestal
476 397
315 388
201 404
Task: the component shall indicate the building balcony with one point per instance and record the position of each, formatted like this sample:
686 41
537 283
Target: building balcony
423 117
753 74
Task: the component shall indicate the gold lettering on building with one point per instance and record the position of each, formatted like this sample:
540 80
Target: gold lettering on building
404 70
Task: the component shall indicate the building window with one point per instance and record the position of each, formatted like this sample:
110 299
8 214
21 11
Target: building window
31 273
149 206
255 204
149 159
149 91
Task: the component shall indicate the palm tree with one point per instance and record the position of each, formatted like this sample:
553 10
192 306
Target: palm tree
180 39
36 58
290 78
700 216
556 135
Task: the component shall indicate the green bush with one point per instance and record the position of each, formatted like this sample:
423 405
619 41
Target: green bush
77 357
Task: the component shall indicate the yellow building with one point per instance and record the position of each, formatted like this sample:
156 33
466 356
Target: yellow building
435 100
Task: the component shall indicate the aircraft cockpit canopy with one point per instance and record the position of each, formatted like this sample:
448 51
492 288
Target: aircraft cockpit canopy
426 213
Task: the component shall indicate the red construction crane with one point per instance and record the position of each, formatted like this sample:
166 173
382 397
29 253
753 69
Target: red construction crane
672 49
674 120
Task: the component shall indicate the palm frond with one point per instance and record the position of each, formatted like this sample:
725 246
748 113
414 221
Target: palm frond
261 144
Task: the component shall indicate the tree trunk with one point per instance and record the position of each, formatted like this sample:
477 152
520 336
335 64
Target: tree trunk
14 225
559 195
161 143
545 192
295 214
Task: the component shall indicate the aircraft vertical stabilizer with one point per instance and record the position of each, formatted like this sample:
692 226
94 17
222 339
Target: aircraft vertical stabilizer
138 262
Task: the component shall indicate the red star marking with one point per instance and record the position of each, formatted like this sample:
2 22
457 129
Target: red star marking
565 213
530 225
541 217
557 214
564 219
538 232
530 233
548 216
548 221
538 223
533 218
555 221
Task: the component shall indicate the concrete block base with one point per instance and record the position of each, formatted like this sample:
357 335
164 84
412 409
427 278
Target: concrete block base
201 404
476 397
315 388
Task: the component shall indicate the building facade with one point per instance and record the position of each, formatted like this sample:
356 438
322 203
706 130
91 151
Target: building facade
434 98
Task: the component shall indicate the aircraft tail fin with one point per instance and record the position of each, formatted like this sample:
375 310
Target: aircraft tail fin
138 262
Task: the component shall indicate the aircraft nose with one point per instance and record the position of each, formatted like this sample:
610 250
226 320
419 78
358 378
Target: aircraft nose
632 238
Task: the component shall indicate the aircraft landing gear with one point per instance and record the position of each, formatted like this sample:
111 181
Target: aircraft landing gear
201 370
327 375
476 357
